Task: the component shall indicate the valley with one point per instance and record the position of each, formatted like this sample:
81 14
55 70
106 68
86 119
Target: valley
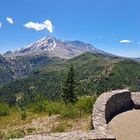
33 79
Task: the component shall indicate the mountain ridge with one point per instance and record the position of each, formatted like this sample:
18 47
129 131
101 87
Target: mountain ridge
54 48
24 62
94 74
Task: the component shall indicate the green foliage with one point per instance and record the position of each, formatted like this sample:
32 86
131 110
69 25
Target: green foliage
54 107
93 75
4 109
30 130
6 72
69 111
68 93
124 74
39 107
23 115
85 104
17 133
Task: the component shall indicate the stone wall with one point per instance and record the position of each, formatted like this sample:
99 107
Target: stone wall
76 135
136 99
105 108
119 101
110 104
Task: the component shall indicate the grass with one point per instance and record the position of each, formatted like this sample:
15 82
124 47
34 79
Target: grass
40 123
4 109
61 127
55 117
17 133
30 130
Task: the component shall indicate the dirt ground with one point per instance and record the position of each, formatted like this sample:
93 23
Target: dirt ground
42 123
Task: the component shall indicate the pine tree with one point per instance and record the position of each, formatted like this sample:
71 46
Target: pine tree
68 90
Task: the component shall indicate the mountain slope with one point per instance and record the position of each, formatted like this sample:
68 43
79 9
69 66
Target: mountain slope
48 50
39 69
6 72
94 73
24 65
138 59
53 47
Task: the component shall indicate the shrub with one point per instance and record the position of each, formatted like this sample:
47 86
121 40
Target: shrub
54 107
69 111
30 130
85 104
17 133
4 109
23 116
39 107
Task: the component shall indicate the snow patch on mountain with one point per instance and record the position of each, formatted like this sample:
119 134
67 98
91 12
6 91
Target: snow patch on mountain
54 48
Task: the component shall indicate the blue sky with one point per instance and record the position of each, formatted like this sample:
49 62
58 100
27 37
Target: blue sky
109 25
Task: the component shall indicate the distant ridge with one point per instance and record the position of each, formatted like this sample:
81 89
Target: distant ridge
53 47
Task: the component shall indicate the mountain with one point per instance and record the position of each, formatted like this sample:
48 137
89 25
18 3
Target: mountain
46 51
23 66
24 61
138 59
41 67
94 74
6 72
53 47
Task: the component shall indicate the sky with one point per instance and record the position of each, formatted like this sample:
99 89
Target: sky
109 25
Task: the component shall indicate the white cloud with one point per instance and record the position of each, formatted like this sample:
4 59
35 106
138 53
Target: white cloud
48 25
35 26
0 24
40 26
10 20
126 41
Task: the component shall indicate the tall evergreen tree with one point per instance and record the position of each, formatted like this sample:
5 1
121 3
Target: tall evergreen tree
68 90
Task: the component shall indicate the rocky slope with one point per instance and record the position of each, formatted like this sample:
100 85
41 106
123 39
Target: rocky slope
48 50
53 47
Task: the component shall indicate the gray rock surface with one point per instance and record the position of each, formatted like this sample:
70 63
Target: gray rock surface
136 99
55 48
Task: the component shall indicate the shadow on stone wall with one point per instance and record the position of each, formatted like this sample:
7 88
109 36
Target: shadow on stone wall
118 103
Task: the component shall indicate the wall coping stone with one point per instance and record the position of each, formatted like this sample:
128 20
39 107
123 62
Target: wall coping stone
136 99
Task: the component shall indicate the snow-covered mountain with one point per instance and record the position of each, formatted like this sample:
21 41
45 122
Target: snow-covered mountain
54 48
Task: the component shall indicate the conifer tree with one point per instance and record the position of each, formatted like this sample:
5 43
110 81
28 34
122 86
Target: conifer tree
68 90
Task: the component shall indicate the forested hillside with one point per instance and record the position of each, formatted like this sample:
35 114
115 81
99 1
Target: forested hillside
6 72
94 74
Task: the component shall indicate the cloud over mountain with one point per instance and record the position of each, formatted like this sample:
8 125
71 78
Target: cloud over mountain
47 24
